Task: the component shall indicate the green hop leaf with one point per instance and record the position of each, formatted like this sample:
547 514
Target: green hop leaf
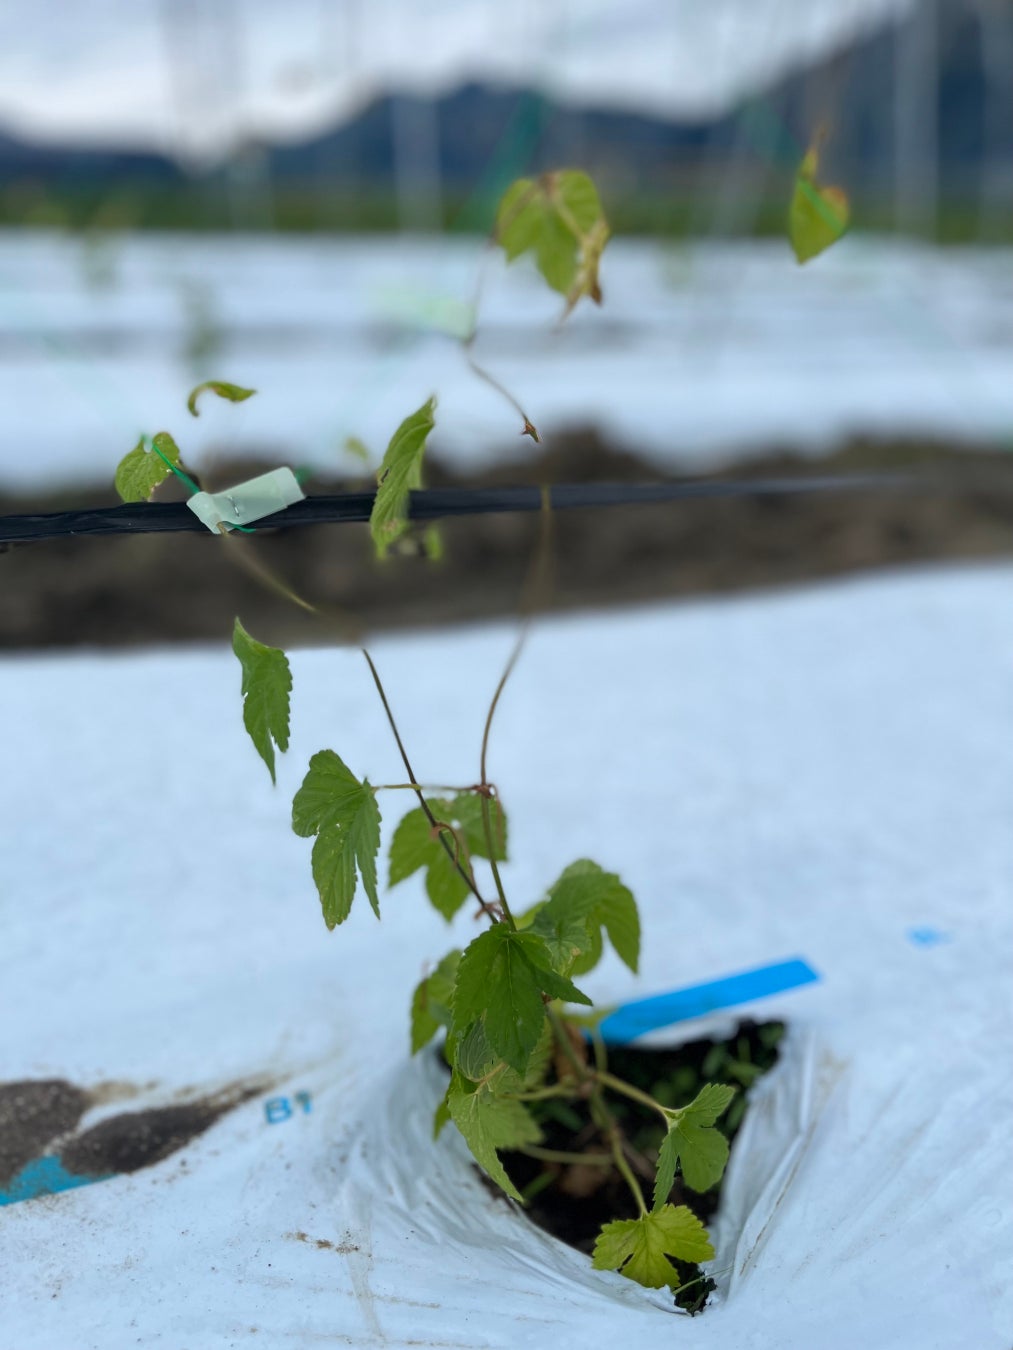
563 922
267 684
558 218
141 471
342 812
503 975
474 1058
488 1123
415 845
234 393
640 1248
431 1002
818 216
400 473
693 1142
583 901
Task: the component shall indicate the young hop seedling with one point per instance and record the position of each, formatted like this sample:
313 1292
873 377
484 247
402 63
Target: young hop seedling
519 1033
503 1002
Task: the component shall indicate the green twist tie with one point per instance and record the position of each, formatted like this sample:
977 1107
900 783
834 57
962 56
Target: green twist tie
185 478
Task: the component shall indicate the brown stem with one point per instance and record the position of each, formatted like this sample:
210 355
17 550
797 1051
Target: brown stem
534 589
614 1135
529 428
488 909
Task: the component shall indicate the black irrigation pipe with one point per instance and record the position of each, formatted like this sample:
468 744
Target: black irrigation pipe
437 503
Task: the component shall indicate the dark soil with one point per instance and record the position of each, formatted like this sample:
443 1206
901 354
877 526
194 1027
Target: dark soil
167 588
137 1139
572 1201
33 1114
37 1116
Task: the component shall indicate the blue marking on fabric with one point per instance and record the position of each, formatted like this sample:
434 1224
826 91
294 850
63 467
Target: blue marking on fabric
927 936
696 1000
45 1176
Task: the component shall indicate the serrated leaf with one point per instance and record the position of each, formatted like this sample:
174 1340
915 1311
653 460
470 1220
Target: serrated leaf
334 874
474 1056
267 685
694 1144
818 216
141 471
488 1123
640 1248
328 792
400 473
563 924
558 218
415 845
586 893
233 393
431 1002
342 811
503 975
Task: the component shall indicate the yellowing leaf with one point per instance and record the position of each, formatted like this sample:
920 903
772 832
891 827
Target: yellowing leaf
818 216
558 218
141 471
640 1248
356 447
232 393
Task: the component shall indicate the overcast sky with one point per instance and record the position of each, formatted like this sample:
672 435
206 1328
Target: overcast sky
195 77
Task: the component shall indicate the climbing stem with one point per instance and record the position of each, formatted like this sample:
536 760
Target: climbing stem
609 1127
628 1090
534 591
488 909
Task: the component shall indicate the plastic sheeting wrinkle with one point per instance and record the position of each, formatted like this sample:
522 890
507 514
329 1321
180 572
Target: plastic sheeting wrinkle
360 1266
786 1109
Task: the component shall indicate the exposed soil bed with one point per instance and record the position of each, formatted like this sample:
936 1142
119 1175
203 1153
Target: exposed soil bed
572 1200
165 588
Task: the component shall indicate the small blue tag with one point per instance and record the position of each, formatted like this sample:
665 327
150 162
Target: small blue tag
696 1000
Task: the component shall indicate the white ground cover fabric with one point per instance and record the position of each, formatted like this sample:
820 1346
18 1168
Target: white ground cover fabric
824 773
700 353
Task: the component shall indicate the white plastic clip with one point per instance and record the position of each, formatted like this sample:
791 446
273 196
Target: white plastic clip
247 502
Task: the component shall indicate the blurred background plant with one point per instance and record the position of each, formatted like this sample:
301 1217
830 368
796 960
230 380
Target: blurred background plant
296 199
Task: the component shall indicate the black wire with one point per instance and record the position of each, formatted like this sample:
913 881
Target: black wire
437 503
